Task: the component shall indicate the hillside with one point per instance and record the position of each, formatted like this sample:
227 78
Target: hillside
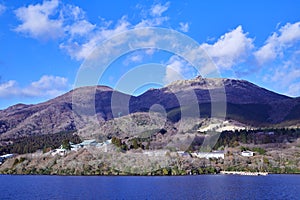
81 107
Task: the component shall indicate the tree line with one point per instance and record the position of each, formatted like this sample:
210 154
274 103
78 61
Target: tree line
258 136
31 144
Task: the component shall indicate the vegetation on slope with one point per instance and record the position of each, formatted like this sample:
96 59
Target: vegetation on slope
33 143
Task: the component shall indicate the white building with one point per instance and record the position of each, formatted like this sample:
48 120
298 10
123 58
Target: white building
183 153
155 153
247 153
85 143
75 147
88 143
60 152
7 156
208 155
4 157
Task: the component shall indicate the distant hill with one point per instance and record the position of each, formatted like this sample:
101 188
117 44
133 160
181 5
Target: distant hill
245 102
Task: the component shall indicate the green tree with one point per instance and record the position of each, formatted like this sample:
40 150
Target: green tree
66 144
135 143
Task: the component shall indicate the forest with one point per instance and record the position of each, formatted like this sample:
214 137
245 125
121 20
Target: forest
31 144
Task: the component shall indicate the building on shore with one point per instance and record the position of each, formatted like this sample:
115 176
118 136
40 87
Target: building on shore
244 173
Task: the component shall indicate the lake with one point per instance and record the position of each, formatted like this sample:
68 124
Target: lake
142 187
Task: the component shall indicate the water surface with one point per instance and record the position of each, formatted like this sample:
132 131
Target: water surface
137 187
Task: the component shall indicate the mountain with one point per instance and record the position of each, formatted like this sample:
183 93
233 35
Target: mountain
57 114
244 102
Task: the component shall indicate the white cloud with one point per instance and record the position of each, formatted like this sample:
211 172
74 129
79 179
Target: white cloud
281 52
151 22
138 56
153 16
231 49
80 28
82 50
79 37
285 75
158 9
47 86
178 69
72 12
287 36
184 27
150 51
135 57
38 21
8 88
294 89
173 70
2 9
290 33
265 53
47 82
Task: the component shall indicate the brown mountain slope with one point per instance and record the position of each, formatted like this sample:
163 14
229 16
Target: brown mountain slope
244 101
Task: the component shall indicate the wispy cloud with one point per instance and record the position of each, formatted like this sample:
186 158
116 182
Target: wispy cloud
8 88
158 9
287 36
280 55
81 48
135 57
184 27
294 89
286 75
47 86
174 70
80 28
138 56
2 9
178 69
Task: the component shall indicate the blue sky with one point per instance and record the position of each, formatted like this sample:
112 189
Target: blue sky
44 43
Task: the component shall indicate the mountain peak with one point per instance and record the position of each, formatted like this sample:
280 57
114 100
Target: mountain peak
92 88
243 99
197 83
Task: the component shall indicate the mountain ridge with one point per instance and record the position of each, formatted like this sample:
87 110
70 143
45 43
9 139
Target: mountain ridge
246 102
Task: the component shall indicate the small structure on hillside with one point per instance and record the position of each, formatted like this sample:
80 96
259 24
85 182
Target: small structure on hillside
208 155
155 152
75 147
247 153
4 157
183 154
85 143
60 152
107 142
104 145
88 143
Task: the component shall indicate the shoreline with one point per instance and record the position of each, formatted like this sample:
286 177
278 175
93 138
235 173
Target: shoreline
227 173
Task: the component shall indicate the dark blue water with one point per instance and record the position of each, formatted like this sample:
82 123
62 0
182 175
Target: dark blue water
181 187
